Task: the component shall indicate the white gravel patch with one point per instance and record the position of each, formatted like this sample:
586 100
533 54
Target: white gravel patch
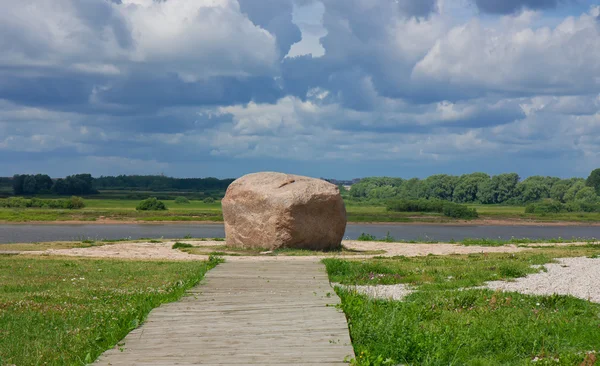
578 277
384 292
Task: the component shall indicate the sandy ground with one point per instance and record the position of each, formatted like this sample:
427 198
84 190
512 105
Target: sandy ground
579 277
163 251
385 292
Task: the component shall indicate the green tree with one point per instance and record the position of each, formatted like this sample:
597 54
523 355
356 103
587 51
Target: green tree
43 183
534 188
467 186
412 189
29 185
382 192
440 186
558 190
587 195
18 184
571 193
499 189
594 180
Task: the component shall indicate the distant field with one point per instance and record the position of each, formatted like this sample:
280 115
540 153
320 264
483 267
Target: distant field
498 209
92 204
124 210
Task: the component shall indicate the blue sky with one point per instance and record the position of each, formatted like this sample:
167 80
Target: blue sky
331 88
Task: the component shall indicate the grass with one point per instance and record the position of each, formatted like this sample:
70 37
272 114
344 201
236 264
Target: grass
67 312
448 322
480 241
501 242
124 210
179 245
472 327
224 250
49 245
435 272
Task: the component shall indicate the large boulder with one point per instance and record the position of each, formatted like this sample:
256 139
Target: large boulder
276 210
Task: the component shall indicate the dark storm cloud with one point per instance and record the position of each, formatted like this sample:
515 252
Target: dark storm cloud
101 14
170 90
512 6
276 17
59 91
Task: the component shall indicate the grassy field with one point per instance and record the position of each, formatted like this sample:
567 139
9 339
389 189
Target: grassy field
68 311
124 210
447 322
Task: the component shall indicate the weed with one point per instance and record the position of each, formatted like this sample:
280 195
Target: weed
179 245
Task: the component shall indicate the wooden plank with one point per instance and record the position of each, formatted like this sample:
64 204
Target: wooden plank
245 313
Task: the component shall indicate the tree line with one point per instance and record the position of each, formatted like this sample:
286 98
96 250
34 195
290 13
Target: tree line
480 188
161 183
85 184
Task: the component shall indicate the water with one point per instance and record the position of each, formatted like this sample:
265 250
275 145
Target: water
40 233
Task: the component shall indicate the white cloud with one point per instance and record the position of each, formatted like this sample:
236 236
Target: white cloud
193 38
517 58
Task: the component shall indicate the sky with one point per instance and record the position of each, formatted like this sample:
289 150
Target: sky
332 88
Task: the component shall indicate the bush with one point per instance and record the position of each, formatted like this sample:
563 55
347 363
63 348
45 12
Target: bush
459 211
209 200
449 209
74 203
151 204
366 237
179 245
551 206
181 200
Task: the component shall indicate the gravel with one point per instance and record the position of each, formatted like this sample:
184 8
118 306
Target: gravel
578 277
384 292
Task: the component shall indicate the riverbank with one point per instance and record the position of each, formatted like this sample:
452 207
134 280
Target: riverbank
475 222
113 212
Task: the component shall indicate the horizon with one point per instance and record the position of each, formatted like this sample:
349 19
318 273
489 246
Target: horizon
323 88
521 178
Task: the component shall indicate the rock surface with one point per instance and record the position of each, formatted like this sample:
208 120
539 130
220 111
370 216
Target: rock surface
275 210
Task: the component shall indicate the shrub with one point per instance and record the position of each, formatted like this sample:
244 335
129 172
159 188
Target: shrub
209 200
182 200
459 211
179 245
551 206
73 203
447 208
151 204
366 237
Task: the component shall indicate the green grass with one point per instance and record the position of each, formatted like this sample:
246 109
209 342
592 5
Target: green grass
435 272
196 210
446 323
179 245
67 312
472 327
501 242
479 241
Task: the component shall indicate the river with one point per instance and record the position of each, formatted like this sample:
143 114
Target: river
24 233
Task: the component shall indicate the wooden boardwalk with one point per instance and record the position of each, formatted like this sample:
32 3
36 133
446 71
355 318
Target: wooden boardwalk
245 313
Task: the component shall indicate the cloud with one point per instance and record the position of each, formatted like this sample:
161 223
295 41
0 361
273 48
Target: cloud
517 59
513 6
204 87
